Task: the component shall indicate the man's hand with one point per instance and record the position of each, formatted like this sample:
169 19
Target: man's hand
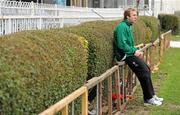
139 54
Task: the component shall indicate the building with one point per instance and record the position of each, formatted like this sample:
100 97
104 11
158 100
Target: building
90 3
79 3
109 3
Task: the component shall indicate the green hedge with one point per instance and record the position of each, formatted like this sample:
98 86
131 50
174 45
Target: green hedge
152 24
99 36
141 32
38 68
169 22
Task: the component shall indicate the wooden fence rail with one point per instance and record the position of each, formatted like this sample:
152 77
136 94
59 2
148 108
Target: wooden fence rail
119 81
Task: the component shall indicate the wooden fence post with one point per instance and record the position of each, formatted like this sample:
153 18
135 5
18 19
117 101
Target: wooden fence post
109 83
65 110
84 106
99 86
117 87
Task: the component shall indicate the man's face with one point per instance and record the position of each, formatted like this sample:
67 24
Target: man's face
133 17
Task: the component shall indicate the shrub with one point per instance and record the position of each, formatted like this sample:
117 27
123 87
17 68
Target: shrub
152 24
38 68
99 36
141 32
169 22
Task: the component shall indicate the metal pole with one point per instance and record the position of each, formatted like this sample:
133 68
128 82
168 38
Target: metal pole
125 2
101 3
152 7
159 37
137 6
0 8
161 6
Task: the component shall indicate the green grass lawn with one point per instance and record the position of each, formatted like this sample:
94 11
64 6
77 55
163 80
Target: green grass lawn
166 84
169 85
177 37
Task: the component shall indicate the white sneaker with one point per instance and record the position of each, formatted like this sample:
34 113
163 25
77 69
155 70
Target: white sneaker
152 101
157 98
92 112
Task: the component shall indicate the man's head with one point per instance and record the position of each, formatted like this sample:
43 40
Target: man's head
131 15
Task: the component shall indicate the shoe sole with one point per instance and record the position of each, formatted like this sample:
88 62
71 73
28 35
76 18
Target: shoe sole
148 104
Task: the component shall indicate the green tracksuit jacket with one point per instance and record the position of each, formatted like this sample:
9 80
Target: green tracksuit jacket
123 40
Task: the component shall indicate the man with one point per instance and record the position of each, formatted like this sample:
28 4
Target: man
124 50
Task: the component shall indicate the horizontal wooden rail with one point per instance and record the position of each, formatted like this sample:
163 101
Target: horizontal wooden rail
94 81
166 33
146 46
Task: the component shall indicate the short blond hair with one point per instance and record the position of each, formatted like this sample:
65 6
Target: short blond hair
127 12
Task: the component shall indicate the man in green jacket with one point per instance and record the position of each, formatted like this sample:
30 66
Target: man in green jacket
124 50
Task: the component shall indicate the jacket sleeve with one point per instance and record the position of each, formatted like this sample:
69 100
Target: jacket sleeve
122 42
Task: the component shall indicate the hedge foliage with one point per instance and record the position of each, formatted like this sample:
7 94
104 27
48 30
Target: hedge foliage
169 22
99 37
141 32
38 68
152 24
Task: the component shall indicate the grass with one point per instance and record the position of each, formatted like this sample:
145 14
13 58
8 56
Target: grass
166 84
169 84
176 37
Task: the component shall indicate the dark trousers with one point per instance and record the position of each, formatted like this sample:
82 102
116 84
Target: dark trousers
92 94
142 71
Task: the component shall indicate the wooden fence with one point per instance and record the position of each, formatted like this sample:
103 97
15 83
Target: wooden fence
120 83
